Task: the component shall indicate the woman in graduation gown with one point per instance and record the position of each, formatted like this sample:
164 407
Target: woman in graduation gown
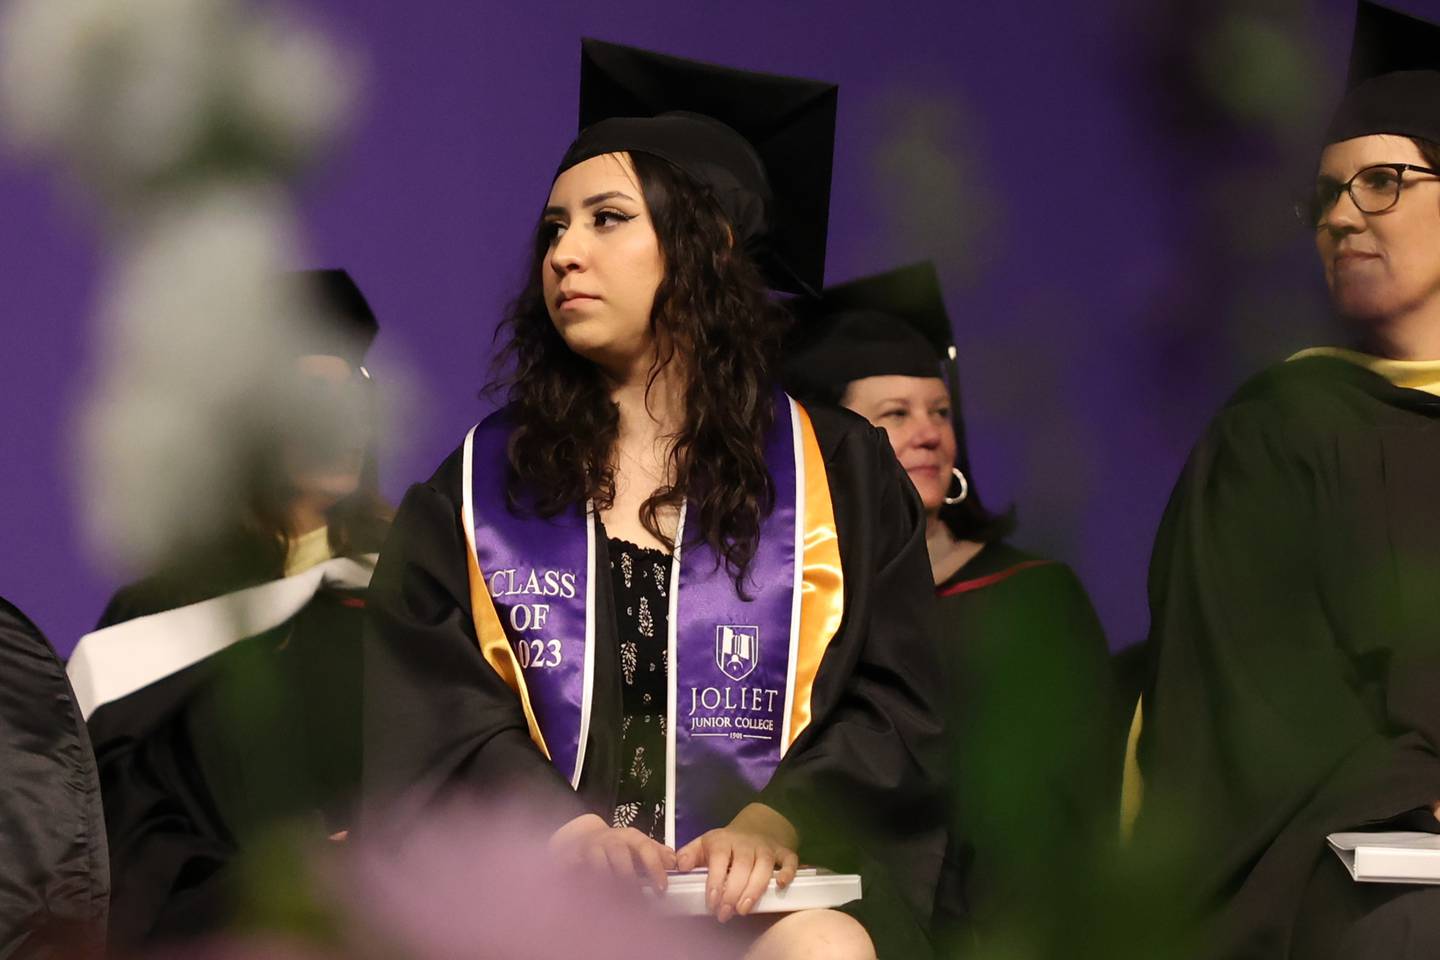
1294 685
201 755
1033 775
679 615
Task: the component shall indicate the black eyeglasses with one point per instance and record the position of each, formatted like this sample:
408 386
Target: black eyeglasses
1374 189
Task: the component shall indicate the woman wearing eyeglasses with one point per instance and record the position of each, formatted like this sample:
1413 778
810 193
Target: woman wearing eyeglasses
1295 586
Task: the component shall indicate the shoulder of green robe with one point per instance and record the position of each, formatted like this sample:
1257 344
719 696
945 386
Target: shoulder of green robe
1321 391
1292 411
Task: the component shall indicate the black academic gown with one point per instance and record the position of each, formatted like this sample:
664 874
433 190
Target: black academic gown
862 783
54 879
1294 685
199 767
1034 771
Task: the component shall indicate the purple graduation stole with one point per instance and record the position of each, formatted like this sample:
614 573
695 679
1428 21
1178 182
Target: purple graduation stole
740 671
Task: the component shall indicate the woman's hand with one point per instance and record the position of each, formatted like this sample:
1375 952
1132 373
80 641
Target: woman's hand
741 858
619 851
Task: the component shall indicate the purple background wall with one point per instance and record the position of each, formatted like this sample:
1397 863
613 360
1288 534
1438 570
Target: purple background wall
1102 185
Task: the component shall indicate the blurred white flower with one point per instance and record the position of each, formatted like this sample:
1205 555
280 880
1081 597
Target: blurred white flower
129 93
43 44
154 94
184 118
293 87
120 88
199 341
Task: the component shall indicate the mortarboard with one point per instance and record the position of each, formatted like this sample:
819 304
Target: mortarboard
890 324
347 326
1394 80
763 143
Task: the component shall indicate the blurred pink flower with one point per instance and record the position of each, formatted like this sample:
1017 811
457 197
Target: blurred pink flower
479 882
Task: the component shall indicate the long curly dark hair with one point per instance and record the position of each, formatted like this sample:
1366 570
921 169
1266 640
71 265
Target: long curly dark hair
713 317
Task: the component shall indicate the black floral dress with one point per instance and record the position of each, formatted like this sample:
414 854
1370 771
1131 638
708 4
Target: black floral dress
641 579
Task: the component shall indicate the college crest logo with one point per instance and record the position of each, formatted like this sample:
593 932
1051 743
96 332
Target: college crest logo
737 650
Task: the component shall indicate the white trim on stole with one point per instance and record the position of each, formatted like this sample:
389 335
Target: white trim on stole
467 493
589 679
467 518
671 663
117 661
797 590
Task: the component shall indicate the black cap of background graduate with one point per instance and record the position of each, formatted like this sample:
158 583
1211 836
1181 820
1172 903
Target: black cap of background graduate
890 324
347 325
763 143
1394 81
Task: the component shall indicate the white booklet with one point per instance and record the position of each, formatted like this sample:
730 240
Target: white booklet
811 889
1389 857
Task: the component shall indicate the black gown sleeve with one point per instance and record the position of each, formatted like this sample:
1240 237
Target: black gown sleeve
197 765
863 783
54 877
168 845
437 716
1263 729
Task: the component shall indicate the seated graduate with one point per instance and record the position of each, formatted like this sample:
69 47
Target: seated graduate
1033 773
673 610
54 877
1294 684
223 693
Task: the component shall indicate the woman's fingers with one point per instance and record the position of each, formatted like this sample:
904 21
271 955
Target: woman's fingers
789 865
653 861
688 857
718 862
758 881
622 863
742 861
593 856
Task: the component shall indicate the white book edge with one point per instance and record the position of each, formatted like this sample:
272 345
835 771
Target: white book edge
812 889
1389 857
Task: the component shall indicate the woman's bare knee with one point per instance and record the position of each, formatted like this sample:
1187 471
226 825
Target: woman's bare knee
813 935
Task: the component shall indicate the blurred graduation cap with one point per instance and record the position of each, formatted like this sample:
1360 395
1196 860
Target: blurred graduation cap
1394 81
347 325
763 143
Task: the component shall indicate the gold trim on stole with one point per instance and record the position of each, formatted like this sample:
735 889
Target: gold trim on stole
495 645
822 590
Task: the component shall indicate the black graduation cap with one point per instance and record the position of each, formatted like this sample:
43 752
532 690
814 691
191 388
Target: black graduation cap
1394 81
347 324
890 324
763 143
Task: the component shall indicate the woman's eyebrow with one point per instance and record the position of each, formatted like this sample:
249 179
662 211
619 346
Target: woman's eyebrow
589 202
600 198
